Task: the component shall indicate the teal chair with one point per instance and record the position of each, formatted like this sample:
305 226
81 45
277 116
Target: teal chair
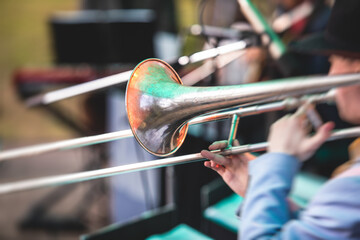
157 224
220 204
180 232
305 186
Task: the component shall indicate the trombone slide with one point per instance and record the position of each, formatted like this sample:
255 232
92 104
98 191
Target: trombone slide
108 172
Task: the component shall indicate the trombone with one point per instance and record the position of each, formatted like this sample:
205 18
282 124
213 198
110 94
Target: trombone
159 107
286 104
160 110
112 171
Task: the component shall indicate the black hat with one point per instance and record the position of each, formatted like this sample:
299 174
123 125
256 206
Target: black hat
341 37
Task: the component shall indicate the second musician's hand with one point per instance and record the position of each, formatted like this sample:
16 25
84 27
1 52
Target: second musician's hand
233 169
290 135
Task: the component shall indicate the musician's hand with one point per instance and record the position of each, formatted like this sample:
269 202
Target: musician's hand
233 169
290 135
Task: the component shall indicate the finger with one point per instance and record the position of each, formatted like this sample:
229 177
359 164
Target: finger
236 142
322 134
249 156
207 154
219 159
280 122
301 111
216 167
278 125
305 125
286 116
211 164
207 164
299 121
218 145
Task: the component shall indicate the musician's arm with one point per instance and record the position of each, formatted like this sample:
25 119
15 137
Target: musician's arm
266 209
333 213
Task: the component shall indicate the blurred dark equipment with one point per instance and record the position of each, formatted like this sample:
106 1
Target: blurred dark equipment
212 193
160 223
91 44
165 10
100 38
226 33
155 221
87 45
103 37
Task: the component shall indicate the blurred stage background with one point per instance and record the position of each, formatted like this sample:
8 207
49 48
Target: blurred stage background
26 42
33 46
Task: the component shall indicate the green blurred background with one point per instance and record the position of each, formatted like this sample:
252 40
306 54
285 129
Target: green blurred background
25 41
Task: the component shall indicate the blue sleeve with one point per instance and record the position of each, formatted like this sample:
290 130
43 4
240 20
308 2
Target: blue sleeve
333 214
265 209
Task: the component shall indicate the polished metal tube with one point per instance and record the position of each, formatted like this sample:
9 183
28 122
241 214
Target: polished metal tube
101 83
62 145
108 172
288 104
159 107
64 93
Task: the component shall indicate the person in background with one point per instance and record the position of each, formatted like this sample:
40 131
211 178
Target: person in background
265 182
294 19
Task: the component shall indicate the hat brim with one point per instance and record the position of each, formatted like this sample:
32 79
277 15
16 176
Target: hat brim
317 44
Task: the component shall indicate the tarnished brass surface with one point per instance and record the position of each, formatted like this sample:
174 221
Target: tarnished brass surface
159 106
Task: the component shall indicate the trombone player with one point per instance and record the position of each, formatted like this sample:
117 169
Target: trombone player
265 182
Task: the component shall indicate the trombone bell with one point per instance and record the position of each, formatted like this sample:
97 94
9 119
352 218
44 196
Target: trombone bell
159 106
149 104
